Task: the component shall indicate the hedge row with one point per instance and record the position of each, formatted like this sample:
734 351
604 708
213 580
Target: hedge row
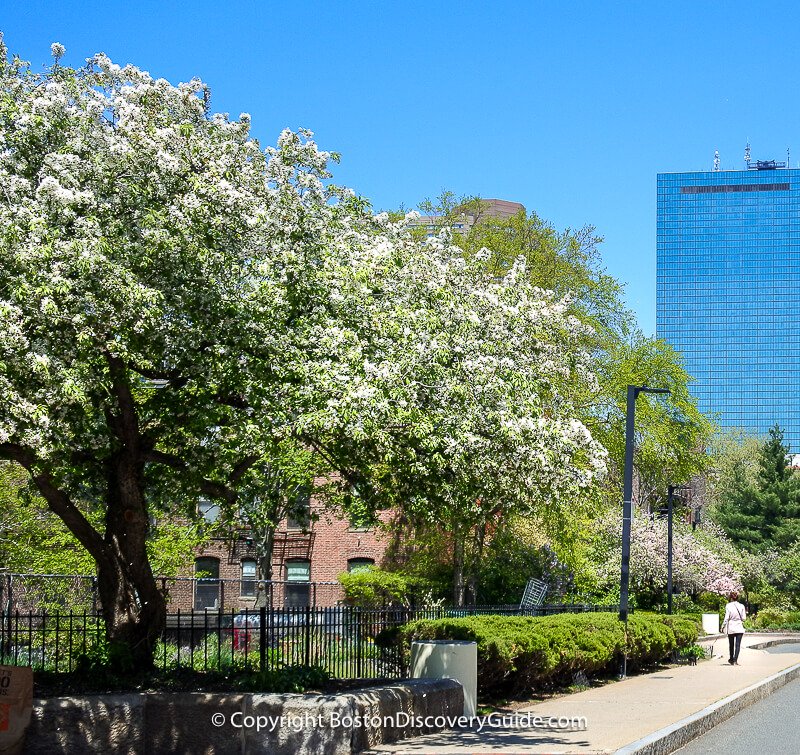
519 653
774 618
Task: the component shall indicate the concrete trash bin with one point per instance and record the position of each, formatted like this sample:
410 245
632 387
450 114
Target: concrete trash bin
711 623
448 659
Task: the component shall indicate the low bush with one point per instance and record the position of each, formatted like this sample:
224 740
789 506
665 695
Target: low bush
711 601
773 618
290 678
682 603
521 653
287 679
373 588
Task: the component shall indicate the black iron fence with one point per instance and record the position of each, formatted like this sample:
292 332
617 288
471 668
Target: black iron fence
77 593
347 641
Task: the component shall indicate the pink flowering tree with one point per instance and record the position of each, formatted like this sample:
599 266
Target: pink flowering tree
696 566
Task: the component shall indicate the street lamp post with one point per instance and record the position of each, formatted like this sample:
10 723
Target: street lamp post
670 496
670 493
627 506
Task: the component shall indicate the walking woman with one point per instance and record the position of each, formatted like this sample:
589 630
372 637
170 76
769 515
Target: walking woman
733 626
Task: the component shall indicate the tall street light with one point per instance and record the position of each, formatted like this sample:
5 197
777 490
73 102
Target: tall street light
670 497
627 506
627 495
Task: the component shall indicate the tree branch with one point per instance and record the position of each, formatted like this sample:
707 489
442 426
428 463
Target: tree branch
126 423
241 468
208 487
57 500
171 377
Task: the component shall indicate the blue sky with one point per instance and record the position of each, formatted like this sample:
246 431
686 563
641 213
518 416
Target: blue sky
570 108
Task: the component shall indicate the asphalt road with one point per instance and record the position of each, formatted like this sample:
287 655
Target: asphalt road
770 726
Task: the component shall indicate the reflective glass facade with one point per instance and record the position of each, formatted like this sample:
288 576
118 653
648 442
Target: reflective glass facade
728 292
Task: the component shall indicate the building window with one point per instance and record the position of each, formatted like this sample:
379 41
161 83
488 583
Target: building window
206 590
248 589
298 587
360 521
359 515
208 510
299 515
355 565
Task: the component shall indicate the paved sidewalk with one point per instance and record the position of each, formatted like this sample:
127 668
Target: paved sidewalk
622 712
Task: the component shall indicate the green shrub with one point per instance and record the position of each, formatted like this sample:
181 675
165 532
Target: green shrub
686 628
694 653
372 588
773 618
710 602
287 679
519 653
682 603
105 657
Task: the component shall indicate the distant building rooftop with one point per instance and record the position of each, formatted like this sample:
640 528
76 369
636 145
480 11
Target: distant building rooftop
461 223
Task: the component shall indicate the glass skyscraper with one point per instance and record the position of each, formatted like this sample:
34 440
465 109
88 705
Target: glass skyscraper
728 291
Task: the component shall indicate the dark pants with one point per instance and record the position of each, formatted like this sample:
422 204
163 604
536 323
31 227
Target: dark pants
735 642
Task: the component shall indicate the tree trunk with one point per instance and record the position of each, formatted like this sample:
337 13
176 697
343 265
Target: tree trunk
134 611
265 543
458 567
476 558
133 607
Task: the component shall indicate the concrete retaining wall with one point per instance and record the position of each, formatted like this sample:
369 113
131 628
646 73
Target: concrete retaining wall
186 723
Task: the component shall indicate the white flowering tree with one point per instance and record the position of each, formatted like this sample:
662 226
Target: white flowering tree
175 303
461 394
148 270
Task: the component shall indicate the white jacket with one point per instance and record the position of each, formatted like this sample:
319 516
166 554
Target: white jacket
734 618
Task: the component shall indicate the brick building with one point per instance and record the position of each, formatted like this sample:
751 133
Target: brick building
306 562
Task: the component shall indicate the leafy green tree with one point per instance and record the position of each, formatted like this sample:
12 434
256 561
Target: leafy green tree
733 464
765 514
671 434
279 486
33 540
567 262
176 302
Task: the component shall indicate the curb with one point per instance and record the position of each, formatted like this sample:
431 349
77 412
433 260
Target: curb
773 643
676 735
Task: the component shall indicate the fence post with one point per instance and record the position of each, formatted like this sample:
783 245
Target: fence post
262 638
308 635
359 659
8 614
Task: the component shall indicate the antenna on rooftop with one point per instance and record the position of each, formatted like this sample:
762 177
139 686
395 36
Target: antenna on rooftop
716 159
788 164
747 154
